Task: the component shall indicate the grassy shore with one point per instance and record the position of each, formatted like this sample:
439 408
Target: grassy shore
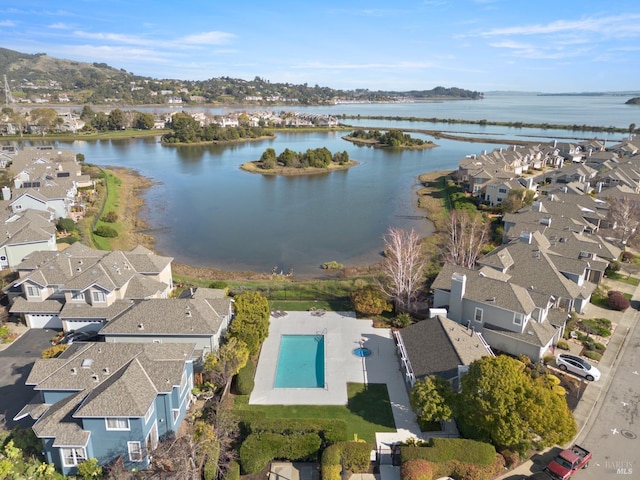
254 167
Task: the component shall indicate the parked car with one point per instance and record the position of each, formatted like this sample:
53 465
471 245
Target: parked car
578 366
568 462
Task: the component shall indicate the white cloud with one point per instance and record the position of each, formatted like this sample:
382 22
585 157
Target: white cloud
60 26
114 37
364 66
7 23
207 38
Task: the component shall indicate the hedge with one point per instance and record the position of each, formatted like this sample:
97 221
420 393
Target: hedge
355 455
106 231
330 430
259 449
416 469
243 381
446 449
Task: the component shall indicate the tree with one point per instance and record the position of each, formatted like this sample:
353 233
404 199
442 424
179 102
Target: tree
402 267
100 122
87 114
369 300
117 120
268 159
222 365
632 127
467 234
624 216
144 121
45 118
432 399
185 128
498 404
517 198
251 322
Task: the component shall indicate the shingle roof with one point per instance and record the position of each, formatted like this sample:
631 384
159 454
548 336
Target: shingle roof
57 422
437 346
82 310
538 334
20 305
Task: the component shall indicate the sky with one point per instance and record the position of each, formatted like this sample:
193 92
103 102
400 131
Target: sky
483 45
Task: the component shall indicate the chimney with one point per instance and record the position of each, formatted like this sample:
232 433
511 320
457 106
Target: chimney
587 187
598 187
458 286
536 206
6 193
555 143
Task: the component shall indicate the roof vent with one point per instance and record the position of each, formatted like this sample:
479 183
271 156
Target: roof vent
105 370
141 326
95 378
74 371
87 362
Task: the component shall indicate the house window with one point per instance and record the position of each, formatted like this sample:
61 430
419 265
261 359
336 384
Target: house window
176 414
117 424
147 415
517 318
33 291
502 190
135 451
98 296
478 315
72 456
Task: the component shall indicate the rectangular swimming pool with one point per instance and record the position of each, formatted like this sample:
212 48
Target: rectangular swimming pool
300 362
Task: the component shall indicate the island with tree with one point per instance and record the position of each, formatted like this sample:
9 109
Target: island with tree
633 101
186 130
313 161
389 139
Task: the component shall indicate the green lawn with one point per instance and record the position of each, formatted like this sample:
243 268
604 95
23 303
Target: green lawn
368 410
111 204
601 300
624 278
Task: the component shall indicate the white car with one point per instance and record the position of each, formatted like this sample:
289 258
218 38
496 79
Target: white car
577 366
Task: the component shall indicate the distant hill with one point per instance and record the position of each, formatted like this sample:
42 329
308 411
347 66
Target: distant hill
39 77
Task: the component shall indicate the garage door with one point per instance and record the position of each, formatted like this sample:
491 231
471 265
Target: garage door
43 320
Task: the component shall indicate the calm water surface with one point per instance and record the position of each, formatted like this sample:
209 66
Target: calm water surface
208 212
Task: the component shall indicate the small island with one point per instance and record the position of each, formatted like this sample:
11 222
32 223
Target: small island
633 101
319 160
390 139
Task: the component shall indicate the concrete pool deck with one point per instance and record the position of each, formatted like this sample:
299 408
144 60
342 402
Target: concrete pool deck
343 333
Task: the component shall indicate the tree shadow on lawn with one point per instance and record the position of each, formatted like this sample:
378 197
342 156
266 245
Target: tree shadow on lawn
371 403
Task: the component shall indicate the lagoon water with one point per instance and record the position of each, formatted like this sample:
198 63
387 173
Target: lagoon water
206 211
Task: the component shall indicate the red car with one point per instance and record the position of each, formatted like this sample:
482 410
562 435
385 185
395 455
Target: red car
568 462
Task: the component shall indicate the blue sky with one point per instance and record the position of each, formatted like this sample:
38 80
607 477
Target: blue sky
484 45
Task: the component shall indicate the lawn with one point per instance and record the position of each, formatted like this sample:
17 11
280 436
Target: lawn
601 300
368 410
623 278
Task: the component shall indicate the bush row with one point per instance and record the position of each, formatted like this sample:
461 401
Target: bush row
447 449
243 382
329 430
259 449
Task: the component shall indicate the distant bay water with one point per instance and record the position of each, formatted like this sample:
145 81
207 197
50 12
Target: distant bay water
207 212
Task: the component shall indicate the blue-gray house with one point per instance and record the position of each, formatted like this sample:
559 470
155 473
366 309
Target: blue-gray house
109 400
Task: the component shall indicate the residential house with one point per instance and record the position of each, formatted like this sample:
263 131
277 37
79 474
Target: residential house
109 401
511 318
202 321
82 289
439 346
28 232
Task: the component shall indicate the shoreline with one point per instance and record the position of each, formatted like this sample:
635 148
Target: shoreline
376 144
136 231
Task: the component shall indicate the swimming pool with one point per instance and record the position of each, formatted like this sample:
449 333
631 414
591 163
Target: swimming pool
300 362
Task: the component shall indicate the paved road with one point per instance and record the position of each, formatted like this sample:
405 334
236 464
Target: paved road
15 364
613 435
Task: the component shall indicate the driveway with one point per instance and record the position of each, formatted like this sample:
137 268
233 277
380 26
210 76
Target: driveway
16 361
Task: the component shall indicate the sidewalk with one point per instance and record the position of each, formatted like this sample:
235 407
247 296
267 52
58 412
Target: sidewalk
594 391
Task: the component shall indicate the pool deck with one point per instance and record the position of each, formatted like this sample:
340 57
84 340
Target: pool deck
343 333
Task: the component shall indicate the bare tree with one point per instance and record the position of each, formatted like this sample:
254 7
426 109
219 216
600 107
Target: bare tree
403 267
467 235
624 216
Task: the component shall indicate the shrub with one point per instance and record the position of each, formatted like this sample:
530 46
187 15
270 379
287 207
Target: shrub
70 240
330 430
89 469
627 256
259 449
548 358
593 355
613 267
356 456
65 225
511 458
332 265
110 217
402 320
597 326
233 472
416 469
53 352
446 449
106 231
219 284
243 381
617 301
562 345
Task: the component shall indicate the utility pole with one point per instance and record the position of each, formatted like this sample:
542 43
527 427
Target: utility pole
8 98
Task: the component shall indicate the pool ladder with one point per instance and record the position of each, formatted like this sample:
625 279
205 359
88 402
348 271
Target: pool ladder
320 335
